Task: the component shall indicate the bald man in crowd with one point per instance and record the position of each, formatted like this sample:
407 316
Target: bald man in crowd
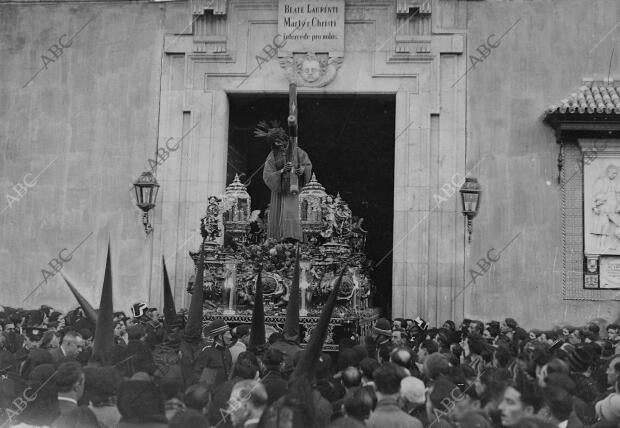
71 345
247 403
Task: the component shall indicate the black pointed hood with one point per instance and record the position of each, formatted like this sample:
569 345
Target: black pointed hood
170 312
307 364
88 309
257 332
104 330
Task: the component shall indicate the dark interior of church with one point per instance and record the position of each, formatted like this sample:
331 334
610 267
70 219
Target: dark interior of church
350 142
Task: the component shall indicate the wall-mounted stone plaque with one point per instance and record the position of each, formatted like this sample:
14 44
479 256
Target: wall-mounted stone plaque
601 193
312 25
610 272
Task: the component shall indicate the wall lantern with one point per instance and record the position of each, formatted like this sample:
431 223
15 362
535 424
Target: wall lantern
146 188
470 196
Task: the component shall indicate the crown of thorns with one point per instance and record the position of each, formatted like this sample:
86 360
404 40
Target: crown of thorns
272 134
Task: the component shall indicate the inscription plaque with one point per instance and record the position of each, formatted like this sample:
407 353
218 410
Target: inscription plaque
312 26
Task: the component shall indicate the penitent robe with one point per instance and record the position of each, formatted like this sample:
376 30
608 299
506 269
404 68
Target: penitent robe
284 207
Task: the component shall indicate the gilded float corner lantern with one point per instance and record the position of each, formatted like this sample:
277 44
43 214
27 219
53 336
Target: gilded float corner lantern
470 197
236 209
311 199
146 188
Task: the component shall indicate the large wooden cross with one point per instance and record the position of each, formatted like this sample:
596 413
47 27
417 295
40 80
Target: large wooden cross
291 155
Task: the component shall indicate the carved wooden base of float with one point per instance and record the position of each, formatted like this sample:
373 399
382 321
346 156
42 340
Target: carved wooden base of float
340 325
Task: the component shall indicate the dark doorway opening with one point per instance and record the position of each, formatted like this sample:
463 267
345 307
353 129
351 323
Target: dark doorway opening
350 141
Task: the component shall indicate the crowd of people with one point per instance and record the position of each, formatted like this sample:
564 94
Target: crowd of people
404 374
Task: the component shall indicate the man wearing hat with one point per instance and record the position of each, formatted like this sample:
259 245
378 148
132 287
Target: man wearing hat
214 362
381 337
382 331
149 319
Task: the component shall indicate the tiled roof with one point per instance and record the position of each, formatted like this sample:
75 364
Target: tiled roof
594 96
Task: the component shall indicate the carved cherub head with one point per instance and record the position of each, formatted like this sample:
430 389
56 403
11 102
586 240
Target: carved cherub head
310 68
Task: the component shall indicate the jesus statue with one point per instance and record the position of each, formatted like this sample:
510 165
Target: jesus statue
284 222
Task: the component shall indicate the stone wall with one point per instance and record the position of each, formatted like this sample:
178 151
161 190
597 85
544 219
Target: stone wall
99 108
540 61
90 116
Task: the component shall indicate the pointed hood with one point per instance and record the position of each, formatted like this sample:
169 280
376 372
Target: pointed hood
104 330
291 325
193 327
89 311
308 362
170 312
257 332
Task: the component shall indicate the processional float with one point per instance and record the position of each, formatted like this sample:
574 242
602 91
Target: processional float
330 238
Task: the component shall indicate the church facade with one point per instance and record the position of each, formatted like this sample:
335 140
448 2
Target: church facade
94 93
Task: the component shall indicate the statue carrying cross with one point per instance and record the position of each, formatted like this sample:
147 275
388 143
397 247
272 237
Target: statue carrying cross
287 170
